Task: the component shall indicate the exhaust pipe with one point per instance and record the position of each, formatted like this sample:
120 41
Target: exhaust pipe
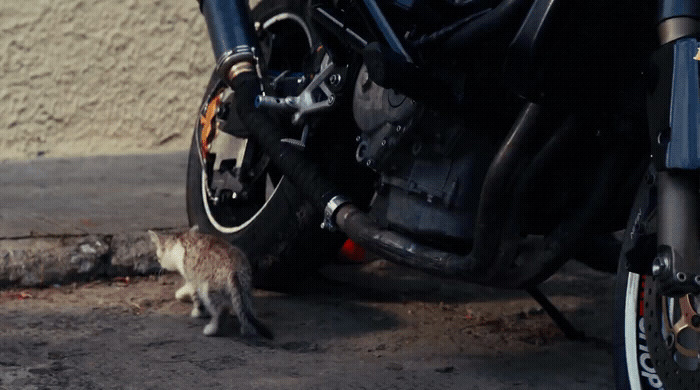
487 264
497 259
535 260
479 265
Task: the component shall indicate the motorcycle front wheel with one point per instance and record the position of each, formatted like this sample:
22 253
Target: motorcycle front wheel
272 223
648 353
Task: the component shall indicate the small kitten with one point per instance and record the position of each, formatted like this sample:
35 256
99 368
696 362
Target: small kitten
217 278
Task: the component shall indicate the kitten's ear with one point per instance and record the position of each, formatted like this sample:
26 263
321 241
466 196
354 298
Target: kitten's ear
154 237
195 229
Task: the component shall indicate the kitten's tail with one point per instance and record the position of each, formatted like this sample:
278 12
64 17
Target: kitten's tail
248 310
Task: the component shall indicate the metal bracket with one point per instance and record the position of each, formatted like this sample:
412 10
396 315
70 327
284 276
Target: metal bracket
673 282
308 101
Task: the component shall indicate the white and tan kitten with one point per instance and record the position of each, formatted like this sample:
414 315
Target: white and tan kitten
217 278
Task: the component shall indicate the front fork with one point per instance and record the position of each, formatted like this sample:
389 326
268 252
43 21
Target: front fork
676 264
674 119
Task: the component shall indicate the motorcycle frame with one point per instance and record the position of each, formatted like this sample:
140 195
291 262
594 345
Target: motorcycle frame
496 245
677 146
676 20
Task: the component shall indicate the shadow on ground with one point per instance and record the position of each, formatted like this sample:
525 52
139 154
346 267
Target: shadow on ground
342 334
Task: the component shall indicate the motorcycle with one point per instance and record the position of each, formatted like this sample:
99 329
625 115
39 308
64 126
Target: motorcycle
485 140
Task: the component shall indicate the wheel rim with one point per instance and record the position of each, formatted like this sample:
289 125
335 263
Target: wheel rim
631 330
641 372
231 229
213 212
218 213
643 324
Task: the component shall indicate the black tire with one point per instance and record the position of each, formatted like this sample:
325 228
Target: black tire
281 237
641 359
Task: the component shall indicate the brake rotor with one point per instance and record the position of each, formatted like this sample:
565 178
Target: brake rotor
673 337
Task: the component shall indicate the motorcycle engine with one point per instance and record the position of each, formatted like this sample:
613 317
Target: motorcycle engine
430 172
383 116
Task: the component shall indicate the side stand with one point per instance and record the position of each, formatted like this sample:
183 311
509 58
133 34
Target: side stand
570 332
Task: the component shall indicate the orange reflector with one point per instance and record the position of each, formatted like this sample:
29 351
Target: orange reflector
353 252
206 121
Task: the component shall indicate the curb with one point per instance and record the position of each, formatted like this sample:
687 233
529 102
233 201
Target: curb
43 261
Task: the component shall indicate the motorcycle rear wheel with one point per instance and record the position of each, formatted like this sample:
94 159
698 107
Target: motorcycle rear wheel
276 227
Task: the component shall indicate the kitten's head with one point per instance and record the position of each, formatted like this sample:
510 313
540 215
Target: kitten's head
164 250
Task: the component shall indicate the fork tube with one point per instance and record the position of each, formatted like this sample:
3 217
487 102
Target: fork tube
678 179
677 19
677 219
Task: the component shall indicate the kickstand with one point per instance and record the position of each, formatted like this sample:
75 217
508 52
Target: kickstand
570 332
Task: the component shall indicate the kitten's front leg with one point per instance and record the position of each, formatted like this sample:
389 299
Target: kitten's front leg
185 293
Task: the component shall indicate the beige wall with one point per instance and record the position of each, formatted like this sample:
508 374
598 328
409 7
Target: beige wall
86 77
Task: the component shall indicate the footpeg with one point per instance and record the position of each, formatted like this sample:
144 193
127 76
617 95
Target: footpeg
298 144
308 101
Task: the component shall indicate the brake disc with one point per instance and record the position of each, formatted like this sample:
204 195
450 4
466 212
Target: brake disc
673 336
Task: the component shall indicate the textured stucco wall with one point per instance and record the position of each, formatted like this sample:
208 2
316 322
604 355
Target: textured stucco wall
89 77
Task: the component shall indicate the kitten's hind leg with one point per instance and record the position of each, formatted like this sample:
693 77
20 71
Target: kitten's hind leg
212 328
242 304
239 309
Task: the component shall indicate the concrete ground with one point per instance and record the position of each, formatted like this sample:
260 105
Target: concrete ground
372 326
